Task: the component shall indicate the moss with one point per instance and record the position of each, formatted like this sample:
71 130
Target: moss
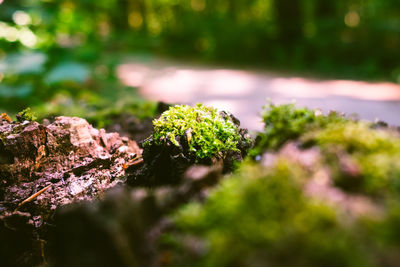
106 116
184 136
96 111
207 132
286 122
261 216
373 153
26 114
363 158
268 216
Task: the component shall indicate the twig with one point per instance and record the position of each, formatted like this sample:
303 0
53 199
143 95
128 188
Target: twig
135 161
29 199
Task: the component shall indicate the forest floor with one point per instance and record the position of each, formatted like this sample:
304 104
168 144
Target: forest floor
244 92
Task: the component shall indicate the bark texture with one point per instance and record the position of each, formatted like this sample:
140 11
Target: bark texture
43 167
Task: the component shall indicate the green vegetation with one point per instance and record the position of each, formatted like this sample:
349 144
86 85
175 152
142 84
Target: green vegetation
363 159
261 216
54 59
53 47
208 134
286 122
99 108
352 148
342 210
60 58
26 114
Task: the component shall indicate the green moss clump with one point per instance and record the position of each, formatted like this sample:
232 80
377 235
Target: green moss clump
355 136
207 133
183 136
261 216
26 114
286 122
362 158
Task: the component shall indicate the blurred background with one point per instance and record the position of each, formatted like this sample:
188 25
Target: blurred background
79 57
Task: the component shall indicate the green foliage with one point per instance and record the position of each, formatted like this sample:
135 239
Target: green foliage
349 39
261 216
286 122
138 108
343 210
48 47
26 114
352 148
98 109
282 123
207 132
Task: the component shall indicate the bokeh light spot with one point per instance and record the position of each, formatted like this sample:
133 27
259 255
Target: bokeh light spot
135 20
352 19
27 38
198 5
21 18
11 34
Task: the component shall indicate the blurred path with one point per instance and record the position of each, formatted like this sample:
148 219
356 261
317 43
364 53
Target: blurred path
243 93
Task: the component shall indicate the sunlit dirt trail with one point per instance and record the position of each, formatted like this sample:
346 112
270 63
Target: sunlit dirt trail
245 92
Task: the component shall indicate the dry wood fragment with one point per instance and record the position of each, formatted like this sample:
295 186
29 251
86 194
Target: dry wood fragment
29 199
4 116
135 161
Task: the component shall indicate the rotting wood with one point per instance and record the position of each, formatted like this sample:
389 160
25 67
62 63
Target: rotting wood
67 154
